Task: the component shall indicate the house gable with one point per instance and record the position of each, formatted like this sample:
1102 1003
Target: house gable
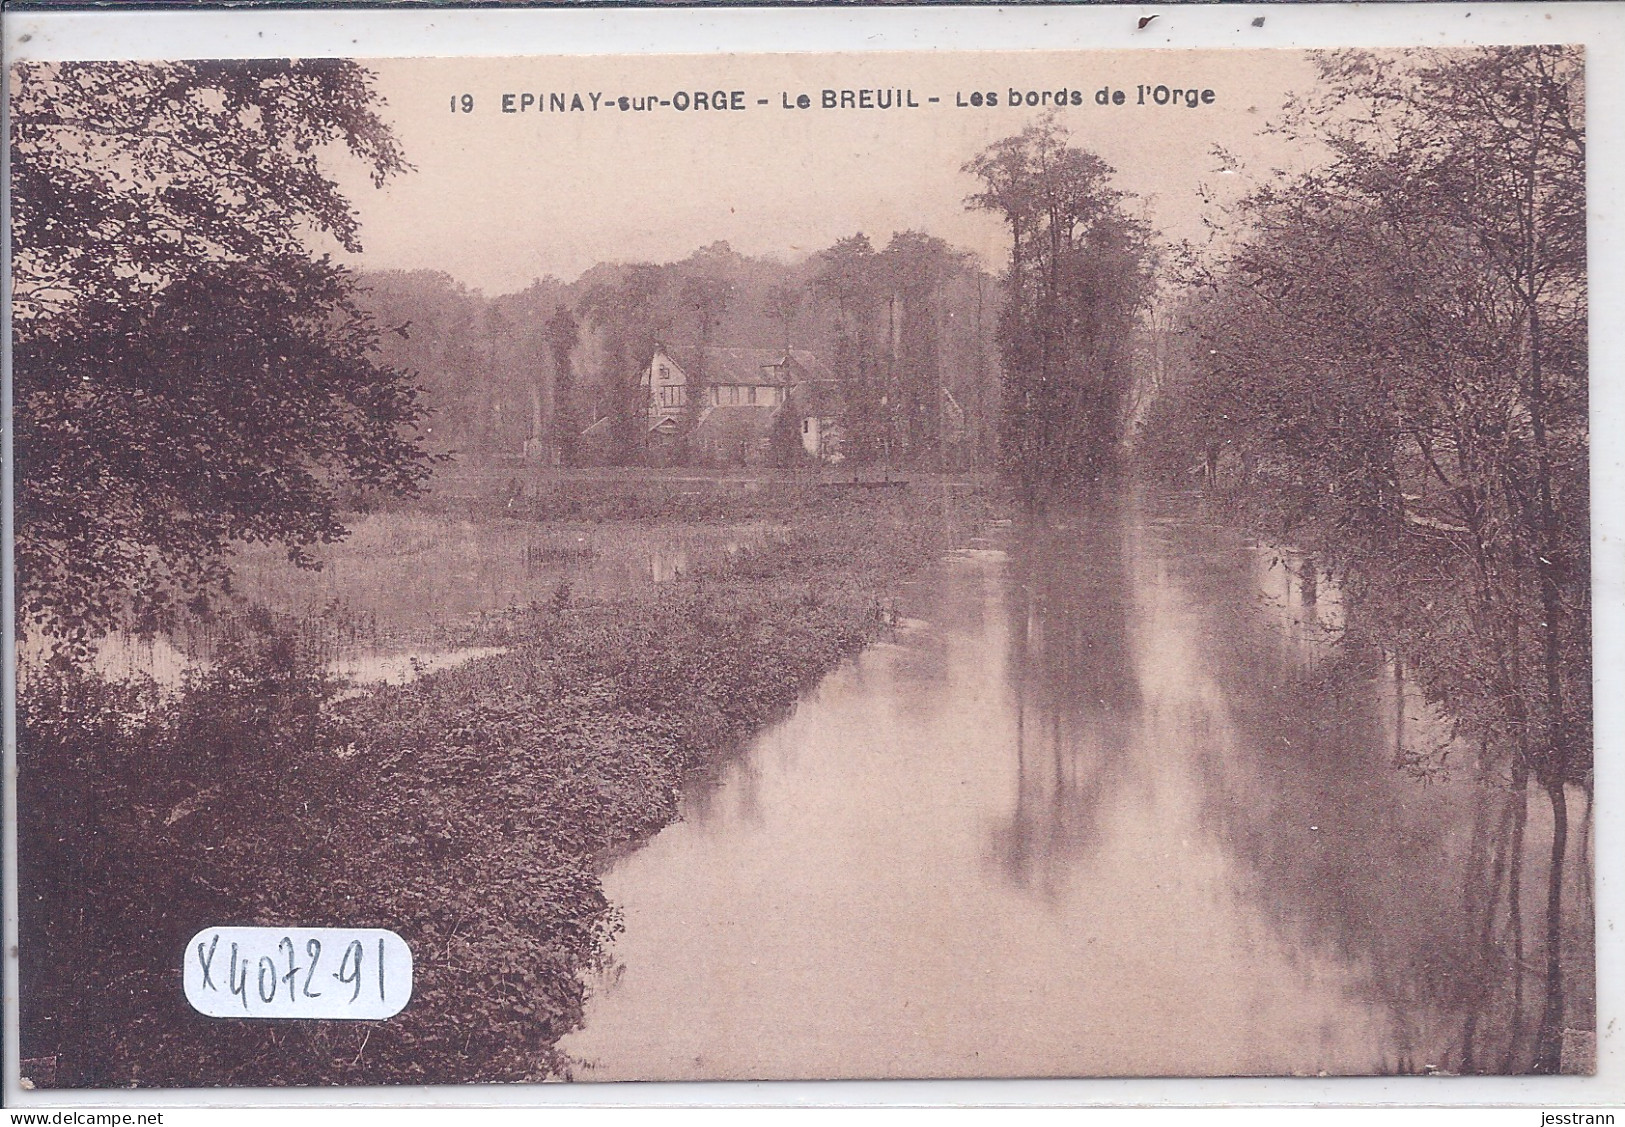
665 384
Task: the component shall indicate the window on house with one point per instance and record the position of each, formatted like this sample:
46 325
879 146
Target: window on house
750 393
806 426
665 372
733 396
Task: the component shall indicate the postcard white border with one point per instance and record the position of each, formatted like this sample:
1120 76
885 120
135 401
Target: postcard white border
615 30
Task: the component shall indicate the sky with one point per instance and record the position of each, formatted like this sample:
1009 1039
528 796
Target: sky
498 199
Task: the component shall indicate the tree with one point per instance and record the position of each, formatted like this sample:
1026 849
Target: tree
563 334
188 372
625 316
707 297
1079 274
1397 352
1487 150
848 278
916 267
782 304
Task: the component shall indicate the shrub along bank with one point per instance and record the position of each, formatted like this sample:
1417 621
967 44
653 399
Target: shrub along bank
466 811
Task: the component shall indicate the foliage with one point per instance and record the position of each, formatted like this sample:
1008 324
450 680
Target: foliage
707 297
782 303
893 347
784 448
917 268
847 280
486 363
187 372
625 315
468 811
563 335
1079 275
1392 375
1394 363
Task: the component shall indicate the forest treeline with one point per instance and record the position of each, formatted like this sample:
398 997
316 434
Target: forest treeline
905 332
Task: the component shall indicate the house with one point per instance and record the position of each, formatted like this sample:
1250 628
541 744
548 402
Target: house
730 402
817 404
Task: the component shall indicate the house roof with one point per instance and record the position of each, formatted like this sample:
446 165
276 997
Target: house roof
818 397
735 422
761 367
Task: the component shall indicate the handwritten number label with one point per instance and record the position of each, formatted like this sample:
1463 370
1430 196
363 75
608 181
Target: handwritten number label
239 983
267 964
313 950
205 961
347 976
265 977
286 944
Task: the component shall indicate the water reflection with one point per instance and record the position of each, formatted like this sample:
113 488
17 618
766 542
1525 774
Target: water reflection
1425 879
120 656
1116 804
1076 697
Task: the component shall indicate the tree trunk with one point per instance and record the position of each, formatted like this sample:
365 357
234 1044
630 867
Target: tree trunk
1520 819
1549 1053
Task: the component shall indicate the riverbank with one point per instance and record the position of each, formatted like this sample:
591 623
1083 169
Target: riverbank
467 810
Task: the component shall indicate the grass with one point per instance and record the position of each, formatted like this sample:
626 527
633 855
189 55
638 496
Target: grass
467 811
493 537
421 577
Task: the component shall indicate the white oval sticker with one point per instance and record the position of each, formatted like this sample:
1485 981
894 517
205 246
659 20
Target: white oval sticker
361 974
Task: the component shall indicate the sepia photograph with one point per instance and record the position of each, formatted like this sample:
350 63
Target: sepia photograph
908 565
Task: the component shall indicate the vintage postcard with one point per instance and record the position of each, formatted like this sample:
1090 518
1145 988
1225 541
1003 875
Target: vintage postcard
997 564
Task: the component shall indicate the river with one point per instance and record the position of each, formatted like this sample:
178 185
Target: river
1104 807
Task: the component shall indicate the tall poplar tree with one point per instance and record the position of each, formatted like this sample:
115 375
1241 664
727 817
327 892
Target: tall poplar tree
1079 274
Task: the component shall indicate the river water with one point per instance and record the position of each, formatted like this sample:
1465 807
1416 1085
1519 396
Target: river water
1104 807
